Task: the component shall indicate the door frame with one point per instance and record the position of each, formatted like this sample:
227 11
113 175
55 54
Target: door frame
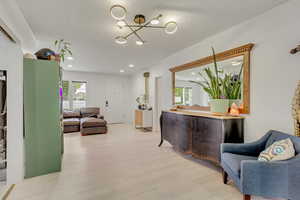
155 116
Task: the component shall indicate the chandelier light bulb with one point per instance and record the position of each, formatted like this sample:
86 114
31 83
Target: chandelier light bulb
154 21
121 23
120 40
171 27
139 43
118 12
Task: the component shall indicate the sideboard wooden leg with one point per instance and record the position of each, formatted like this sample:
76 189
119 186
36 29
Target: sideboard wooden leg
247 197
225 177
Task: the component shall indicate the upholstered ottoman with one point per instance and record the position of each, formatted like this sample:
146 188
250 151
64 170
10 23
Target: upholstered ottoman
90 125
71 125
71 121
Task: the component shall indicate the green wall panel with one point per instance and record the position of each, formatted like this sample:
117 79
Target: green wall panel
43 137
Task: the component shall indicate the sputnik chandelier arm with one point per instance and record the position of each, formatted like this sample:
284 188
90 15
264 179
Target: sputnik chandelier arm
119 12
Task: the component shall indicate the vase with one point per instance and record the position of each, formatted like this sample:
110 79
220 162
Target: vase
219 105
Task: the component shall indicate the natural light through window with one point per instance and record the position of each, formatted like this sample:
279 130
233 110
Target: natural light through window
74 94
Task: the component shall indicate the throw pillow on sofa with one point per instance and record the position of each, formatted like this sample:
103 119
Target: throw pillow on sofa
280 150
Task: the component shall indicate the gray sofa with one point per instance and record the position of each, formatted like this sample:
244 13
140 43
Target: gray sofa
278 179
86 120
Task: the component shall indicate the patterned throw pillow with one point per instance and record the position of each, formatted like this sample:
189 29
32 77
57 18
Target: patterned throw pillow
280 150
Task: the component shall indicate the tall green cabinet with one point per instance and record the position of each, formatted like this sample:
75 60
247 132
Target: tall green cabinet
42 117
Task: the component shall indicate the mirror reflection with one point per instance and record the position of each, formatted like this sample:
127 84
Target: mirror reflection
188 89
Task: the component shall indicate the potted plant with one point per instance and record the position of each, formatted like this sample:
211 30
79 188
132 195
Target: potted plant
141 100
232 84
222 90
62 49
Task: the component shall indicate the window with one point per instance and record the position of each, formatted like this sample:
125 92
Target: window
74 95
66 101
79 94
183 96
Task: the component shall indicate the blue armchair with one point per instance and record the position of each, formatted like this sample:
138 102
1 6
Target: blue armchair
278 179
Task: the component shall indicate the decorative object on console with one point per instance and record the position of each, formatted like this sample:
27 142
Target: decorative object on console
296 110
295 50
141 100
234 110
119 13
62 49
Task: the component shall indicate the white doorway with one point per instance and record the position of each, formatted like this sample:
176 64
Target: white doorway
115 104
158 102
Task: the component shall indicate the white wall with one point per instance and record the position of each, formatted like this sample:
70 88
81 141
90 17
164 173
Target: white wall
13 17
11 59
102 86
274 72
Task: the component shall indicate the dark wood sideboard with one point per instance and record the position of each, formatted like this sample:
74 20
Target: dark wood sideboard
200 134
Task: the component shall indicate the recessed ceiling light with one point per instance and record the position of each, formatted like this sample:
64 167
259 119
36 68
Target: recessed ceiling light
121 23
122 70
193 73
70 66
121 40
70 58
154 21
139 42
131 65
198 79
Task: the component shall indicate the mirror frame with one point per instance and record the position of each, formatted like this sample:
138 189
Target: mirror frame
244 50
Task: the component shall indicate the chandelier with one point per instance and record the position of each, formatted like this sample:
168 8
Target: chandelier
119 13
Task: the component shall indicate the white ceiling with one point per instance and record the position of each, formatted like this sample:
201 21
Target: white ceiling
87 24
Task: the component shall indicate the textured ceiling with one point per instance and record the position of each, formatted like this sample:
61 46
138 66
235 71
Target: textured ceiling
87 24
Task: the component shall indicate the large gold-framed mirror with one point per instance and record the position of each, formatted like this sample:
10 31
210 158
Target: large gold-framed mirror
191 96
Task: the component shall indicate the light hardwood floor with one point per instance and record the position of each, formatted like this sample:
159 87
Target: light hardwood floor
126 164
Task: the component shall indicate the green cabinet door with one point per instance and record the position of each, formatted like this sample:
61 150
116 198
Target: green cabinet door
42 136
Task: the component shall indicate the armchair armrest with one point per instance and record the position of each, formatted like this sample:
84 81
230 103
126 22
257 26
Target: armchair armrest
250 149
271 179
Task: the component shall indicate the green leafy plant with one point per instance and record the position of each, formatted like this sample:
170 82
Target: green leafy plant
141 99
231 85
63 48
213 83
217 87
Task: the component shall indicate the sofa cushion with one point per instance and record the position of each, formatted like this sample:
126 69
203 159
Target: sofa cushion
71 114
71 122
92 122
280 150
234 161
89 112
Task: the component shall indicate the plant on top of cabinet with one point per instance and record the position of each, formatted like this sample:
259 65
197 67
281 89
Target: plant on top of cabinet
63 48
